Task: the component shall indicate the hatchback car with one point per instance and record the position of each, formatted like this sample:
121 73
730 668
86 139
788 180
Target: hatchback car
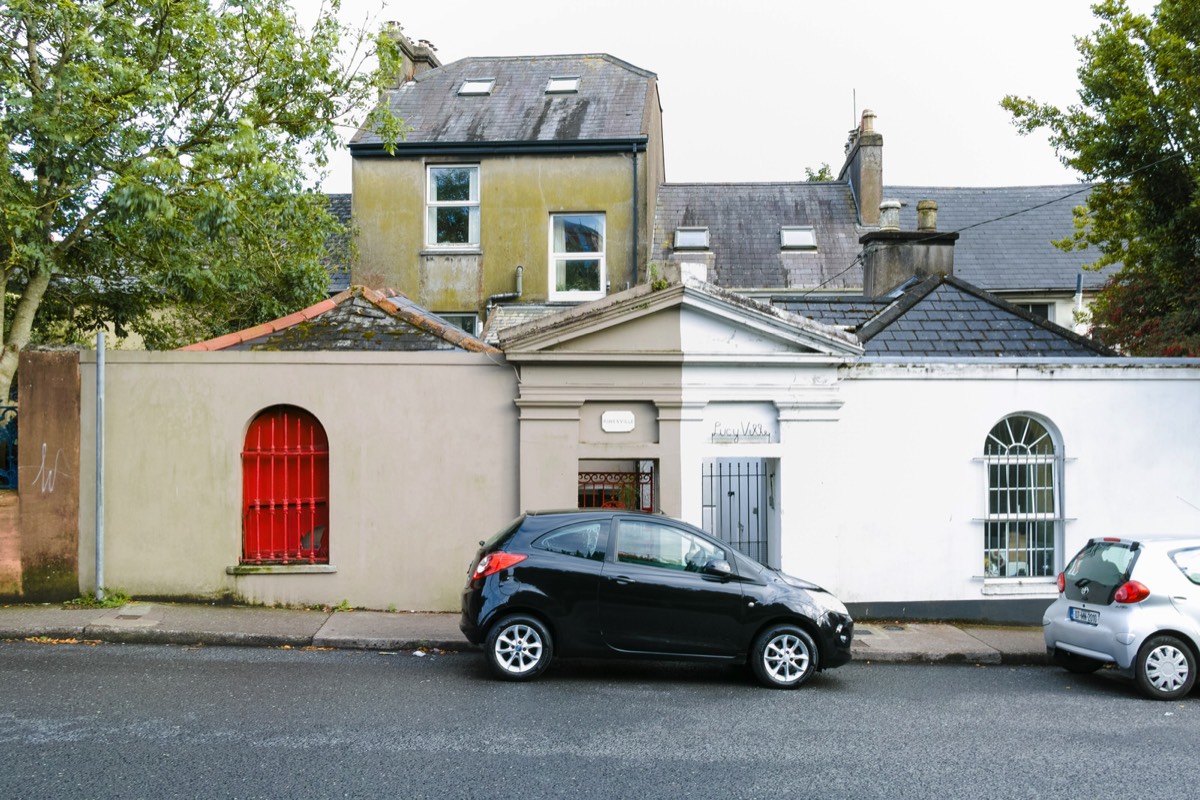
626 584
1132 603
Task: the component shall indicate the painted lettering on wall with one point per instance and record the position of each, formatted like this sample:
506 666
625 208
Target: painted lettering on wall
738 433
46 477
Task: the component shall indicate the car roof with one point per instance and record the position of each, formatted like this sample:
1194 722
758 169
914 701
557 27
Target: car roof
1152 539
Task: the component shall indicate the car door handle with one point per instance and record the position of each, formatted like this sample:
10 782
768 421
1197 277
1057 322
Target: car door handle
624 579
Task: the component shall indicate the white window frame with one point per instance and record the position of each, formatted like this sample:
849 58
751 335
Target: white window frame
798 237
1022 503
471 205
691 238
555 256
477 86
562 84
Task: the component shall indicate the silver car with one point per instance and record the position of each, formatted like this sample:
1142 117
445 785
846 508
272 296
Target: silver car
1134 604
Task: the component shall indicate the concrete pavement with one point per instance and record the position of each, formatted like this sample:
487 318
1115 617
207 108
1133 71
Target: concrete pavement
181 623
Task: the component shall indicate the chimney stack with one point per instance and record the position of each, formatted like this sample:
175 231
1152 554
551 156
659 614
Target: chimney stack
416 58
863 168
892 256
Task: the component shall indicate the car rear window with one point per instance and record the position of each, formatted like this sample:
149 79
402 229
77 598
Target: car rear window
1100 566
1188 562
504 533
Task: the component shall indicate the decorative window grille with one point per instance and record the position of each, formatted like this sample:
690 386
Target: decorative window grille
1024 517
628 490
285 489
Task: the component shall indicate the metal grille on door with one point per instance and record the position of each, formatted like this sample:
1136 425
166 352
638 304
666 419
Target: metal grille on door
737 502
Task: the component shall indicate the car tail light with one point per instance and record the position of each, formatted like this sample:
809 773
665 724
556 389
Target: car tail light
1062 582
1131 592
494 562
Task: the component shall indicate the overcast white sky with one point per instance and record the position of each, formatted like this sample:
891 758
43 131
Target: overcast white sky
757 90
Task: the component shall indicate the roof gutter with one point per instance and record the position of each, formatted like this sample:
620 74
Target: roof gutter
585 146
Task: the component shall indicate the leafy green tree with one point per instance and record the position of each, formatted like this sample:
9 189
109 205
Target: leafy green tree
1136 133
153 174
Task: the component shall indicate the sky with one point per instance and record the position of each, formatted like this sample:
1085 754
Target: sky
758 90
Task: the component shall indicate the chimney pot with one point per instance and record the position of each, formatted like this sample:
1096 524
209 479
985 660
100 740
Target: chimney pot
889 215
868 121
927 215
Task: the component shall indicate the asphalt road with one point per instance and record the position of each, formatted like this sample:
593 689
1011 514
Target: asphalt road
125 721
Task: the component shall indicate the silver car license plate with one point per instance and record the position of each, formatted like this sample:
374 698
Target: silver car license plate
1084 616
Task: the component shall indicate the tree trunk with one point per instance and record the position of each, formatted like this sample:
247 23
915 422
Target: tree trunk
22 326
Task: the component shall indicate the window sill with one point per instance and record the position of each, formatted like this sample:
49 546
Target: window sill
280 569
1009 587
472 250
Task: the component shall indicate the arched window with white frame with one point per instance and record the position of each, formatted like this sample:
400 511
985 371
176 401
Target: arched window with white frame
1023 526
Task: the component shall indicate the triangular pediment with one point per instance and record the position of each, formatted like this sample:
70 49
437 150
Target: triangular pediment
687 322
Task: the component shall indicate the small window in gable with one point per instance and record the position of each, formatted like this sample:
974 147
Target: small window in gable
691 238
477 86
798 237
563 85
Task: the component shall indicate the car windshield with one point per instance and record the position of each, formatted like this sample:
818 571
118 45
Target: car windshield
1100 566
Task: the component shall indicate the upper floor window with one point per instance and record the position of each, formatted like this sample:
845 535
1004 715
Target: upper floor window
691 238
563 85
285 489
1021 529
798 237
577 268
477 86
453 204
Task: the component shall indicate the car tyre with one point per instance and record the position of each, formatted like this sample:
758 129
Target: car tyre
1075 663
1165 668
783 657
518 648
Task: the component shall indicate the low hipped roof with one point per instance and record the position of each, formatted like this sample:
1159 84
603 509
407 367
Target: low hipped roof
357 319
611 103
944 316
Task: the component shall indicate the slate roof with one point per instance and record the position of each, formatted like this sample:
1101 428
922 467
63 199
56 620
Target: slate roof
1013 252
509 316
337 248
844 312
744 221
356 319
946 316
611 102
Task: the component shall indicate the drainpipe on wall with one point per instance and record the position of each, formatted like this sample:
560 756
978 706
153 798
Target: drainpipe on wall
633 261
100 465
493 299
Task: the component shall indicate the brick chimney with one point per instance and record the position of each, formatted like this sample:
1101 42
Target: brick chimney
863 168
417 58
892 256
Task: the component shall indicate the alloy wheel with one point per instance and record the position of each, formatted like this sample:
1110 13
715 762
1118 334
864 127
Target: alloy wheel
518 649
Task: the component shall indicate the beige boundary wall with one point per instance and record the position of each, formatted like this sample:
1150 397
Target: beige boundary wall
422 454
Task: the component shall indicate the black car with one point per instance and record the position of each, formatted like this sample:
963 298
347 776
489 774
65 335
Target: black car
626 584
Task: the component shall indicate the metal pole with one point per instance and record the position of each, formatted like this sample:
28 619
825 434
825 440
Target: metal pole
100 465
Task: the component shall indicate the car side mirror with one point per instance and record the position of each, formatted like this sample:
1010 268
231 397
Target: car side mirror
719 568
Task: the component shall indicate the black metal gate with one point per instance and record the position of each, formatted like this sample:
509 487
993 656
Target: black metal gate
8 447
738 500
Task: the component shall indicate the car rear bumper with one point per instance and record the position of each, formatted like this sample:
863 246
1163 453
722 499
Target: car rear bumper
1114 639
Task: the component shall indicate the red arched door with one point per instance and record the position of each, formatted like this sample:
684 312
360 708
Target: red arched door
285 489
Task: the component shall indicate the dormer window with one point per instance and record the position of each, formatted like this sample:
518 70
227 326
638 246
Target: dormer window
563 85
798 237
477 86
691 238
